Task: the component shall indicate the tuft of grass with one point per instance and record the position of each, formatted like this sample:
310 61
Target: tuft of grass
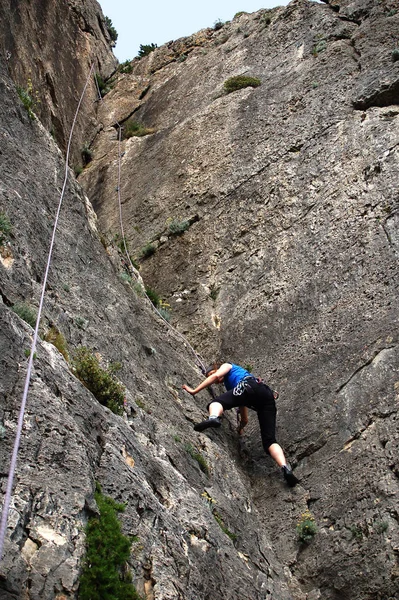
25 312
176 227
203 465
101 382
238 14
381 526
55 337
104 574
5 228
239 82
133 128
222 525
319 47
147 250
214 291
306 527
356 531
153 296
27 352
29 98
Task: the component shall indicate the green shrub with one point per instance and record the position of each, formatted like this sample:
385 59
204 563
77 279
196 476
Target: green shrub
203 465
78 171
395 55
126 67
25 312
153 296
319 47
306 528
222 526
176 227
356 531
29 99
218 25
102 86
87 154
135 129
381 526
101 382
113 34
148 250
5 228
238 14
146 49
104 575
55 337
265 20
214 291
239 82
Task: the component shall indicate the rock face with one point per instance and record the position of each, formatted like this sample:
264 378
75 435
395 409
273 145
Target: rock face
51 46
274 214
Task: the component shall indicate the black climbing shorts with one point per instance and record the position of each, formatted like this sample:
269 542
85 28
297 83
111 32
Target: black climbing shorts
259 397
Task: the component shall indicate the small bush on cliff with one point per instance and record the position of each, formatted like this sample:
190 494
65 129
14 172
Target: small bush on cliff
203 465
101 382
29 99
55 337
147 250
113 34
133 128
176 227
87 153
239 82
5 228
395 55
146 49
306 528
126 67
218 25
25 312
104 575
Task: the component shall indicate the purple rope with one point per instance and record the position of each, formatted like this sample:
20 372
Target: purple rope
11 474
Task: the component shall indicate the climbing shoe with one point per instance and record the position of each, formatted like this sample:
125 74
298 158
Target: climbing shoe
211 422
289 476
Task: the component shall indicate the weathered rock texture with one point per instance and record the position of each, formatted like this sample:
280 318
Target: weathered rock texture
53 44
289 264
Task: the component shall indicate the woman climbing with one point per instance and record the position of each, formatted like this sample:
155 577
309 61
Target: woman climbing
244 391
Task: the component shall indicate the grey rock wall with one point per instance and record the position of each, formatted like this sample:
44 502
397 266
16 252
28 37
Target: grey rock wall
290 260
70 441
53 44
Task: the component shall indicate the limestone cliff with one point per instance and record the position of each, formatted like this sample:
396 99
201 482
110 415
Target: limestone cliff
287 261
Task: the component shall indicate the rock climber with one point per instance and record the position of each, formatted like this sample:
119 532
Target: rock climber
244 391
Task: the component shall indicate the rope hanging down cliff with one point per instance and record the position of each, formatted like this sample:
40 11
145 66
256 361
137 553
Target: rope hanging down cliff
133 269
10 480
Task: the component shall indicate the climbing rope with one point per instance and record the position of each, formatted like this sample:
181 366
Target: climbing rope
132 267
10 480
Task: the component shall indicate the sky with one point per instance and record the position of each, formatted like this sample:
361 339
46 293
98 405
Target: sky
160 21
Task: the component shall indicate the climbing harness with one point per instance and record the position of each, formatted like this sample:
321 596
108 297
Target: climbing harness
10 480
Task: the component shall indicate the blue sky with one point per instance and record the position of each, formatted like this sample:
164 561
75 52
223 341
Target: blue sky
159 21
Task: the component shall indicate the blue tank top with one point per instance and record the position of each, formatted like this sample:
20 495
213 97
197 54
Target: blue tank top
234 376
